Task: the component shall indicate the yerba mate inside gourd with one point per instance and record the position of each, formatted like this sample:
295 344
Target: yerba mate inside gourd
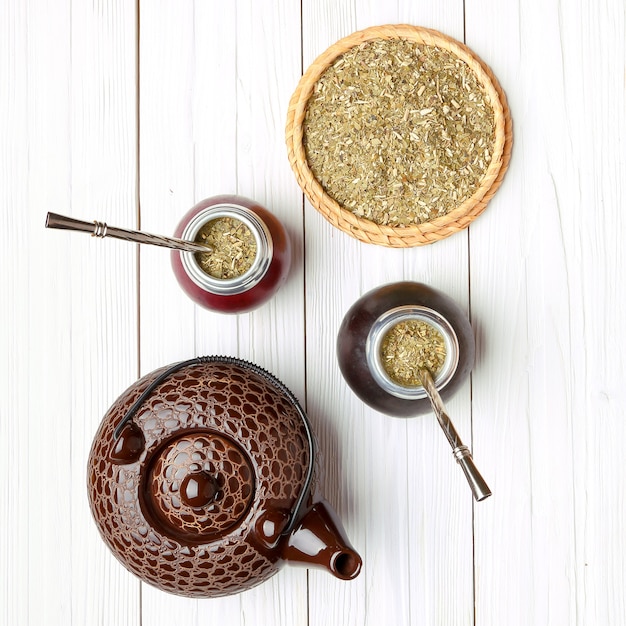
233 248
409 346
398 132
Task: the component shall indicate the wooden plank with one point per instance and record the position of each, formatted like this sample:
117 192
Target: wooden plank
68 324
547 286
103 128
14 429
169 67
397 489
215 83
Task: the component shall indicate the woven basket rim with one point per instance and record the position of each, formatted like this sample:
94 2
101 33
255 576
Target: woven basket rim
362 228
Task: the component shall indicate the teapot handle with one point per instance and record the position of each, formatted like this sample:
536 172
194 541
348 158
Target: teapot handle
147 392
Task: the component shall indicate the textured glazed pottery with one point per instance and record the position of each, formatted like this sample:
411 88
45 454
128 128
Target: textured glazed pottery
364 326
260 282
202 481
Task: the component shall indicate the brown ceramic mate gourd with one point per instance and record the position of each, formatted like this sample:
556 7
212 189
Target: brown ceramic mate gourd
202 481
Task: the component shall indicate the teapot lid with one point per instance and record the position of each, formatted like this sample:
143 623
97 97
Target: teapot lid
199 486
193 459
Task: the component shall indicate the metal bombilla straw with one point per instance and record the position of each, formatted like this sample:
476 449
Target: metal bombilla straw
461 453
101 229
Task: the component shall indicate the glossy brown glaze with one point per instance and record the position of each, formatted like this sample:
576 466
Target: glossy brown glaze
201 509
318 540
199 489
198 486
129 446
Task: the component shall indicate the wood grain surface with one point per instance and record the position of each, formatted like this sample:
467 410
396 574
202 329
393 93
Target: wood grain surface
131 113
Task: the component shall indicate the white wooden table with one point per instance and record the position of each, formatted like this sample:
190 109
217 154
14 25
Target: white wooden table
130 113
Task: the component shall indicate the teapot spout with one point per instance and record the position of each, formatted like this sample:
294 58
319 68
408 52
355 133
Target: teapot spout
319 540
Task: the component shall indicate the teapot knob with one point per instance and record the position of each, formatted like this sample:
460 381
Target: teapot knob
198 489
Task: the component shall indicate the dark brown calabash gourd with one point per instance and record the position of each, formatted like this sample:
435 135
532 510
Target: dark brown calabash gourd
201 481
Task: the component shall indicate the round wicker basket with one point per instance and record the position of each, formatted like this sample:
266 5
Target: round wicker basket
364 229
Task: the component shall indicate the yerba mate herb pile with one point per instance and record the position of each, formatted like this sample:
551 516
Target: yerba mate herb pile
233 248
399 133
409 346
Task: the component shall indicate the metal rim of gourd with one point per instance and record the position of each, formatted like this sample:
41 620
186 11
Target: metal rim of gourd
262 259
385 323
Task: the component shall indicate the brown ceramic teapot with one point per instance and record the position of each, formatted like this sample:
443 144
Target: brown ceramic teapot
201 481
